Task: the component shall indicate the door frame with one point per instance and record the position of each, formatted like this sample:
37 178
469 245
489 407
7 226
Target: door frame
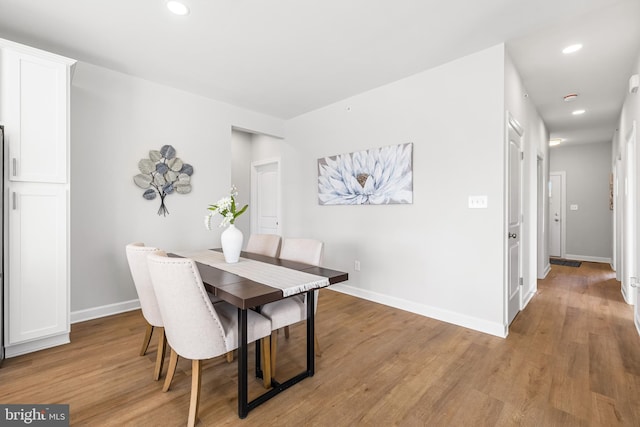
563 211
511 121
254 191
543 266
617 218
630 217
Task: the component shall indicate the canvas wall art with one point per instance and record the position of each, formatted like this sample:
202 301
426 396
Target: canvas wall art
378 176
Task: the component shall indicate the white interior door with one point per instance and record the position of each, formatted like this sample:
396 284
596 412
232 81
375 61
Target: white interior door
556 214
265 197
629 238
618 209
636 317
541 217
514 263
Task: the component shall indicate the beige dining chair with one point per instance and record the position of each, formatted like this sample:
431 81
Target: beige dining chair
137 258
195 328
261 244
264 244
292 310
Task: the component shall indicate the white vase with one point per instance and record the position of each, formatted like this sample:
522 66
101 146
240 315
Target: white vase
231 240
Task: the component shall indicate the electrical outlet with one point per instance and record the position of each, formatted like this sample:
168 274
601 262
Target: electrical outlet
356 265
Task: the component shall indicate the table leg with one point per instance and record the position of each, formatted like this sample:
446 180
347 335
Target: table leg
243 394
310 332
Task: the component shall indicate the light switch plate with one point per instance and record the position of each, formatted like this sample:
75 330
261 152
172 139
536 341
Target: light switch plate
573 207
478 202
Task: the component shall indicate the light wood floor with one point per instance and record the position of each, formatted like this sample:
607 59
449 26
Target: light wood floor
571 358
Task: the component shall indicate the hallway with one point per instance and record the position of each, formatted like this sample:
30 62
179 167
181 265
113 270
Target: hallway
579 328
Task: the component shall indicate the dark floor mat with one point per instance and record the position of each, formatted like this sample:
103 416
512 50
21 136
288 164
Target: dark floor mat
567 262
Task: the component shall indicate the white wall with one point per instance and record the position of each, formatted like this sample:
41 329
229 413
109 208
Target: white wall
436 256
265 147
241 146
115 120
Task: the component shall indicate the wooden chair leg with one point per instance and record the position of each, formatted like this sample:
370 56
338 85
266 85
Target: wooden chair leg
273 344
171 370
146 340
162 348
230 356
317 344
265 350
286 332
195 392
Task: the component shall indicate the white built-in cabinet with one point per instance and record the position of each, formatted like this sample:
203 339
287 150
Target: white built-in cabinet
34 109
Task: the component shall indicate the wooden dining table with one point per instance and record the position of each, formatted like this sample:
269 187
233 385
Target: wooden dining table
248 294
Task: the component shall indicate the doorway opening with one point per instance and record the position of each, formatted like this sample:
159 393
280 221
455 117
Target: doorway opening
255 171
557 214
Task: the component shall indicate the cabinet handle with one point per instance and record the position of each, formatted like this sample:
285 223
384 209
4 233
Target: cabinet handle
15 166
14 197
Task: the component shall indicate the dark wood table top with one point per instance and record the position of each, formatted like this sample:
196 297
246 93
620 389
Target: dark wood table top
245 293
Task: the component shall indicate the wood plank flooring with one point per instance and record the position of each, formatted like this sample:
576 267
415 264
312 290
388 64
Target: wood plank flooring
572 358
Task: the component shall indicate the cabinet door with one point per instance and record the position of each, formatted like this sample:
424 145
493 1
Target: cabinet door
36 111
38 266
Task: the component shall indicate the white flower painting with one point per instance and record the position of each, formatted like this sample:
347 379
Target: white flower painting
377 176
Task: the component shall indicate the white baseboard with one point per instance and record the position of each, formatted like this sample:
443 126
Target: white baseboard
527 299
547 269
628 298
458 319
588 258
35 345
104 310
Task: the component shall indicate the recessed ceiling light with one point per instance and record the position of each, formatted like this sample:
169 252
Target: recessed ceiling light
572 48
177 7
555 141
570 97
578 112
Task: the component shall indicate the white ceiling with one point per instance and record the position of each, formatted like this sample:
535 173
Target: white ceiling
599 73
288 57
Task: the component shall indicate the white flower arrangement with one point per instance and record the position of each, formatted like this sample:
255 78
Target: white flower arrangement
225 207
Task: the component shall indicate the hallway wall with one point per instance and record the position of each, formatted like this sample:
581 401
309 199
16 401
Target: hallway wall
589 231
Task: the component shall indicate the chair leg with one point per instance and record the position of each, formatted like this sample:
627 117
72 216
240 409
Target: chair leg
273 345
317 346
173 362
195 392
286 332
230 356
146 340
265 344
162 347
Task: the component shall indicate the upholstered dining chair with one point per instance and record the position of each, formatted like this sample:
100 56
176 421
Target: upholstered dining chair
292 310
195 328
264 244
261 244
137 258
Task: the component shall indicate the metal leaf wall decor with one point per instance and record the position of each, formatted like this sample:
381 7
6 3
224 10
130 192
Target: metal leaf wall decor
162 174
